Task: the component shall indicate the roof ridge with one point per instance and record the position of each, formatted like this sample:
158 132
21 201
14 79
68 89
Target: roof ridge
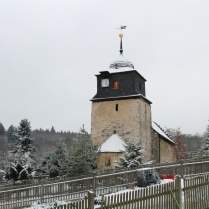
166 133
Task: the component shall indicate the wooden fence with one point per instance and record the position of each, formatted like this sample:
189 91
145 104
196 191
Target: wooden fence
156 196
68 190
186 193
100 185
183 193
183 168
196 192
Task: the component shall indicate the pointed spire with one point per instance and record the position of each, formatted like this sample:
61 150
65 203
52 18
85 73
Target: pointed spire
121 45
121 61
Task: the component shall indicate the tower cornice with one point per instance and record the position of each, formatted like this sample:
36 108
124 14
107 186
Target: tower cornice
121 98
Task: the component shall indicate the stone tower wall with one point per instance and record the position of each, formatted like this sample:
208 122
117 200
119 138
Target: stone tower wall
132 121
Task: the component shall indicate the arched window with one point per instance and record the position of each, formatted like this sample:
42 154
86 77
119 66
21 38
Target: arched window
115 84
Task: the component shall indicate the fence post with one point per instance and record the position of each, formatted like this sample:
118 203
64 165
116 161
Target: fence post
177 195
94 184
42 190
90 200
179 190
182 170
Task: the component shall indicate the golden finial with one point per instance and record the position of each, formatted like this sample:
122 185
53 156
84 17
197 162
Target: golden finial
121 35
121 28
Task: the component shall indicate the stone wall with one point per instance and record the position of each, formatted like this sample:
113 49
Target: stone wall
132 121
162 149
166 152
108 159
155 147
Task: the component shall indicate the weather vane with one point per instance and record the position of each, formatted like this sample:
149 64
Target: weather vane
121 28
121 36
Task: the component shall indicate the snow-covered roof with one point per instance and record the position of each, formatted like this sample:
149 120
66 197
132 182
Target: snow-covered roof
119 70
158 130
121 62
113 144
124 69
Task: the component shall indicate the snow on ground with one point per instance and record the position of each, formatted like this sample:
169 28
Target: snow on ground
165 181
1 171
37 205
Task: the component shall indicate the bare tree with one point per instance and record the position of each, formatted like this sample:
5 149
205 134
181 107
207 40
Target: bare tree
179 146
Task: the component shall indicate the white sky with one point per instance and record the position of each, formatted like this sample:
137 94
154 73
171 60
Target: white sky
50 51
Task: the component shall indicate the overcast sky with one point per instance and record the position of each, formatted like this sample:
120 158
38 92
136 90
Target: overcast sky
50 51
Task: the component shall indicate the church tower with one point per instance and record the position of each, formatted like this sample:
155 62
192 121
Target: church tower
120 109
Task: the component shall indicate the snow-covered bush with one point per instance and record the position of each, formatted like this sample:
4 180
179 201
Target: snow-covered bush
132 156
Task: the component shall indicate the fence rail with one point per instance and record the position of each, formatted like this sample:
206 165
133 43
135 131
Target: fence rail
100 185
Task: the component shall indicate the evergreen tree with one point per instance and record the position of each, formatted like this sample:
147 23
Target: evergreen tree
132 156
2 130
21 162
82 158
3 160
3 145
53 130
179 147
11 134
54 162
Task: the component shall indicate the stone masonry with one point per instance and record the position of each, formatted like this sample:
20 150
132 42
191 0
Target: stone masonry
132 121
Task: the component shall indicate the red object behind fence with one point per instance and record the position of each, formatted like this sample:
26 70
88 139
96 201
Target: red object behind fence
171 176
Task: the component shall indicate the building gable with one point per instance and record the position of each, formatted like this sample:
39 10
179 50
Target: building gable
113 144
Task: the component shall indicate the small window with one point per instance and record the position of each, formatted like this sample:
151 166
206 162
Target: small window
116 107
114 132
140 86
115 84
107 162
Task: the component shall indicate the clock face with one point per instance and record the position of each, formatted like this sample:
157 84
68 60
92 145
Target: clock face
105 82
